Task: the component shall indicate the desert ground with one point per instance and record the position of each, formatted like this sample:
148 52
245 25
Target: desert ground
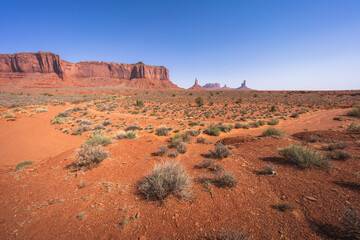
231 145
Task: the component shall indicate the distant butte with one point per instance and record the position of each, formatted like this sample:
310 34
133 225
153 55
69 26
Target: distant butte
196 86
47 70
217 87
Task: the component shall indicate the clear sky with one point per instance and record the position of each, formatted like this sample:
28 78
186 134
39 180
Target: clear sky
273 44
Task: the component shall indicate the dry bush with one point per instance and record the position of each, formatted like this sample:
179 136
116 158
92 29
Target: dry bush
273 132
162 131
181 148
285 206
88 157
351 223
210 164
161 151
304 157
173 154
201 140
166 179
225 180
192 133
120 134
340 155
98 138
220 151
354 112
354 127
335 145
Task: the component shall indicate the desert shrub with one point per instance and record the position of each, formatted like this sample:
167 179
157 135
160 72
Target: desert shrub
285 206
273 121
313 138
233 235
173 154
185 137
340 155
210 164
175 142
21 165
213 131
106 123
88 156
239 101
304 157
181 148
269 169
199 101
238 125
200 140
354 112
262 122
294 115
42 109
162 131
272 132
58 120
354 127
166 179
255 124
139 103
225 180
193 133
99 127
131 134
335 145
120 135
161 151
273 108
220 151
63 115
350 220
9 115
98 138
84 122
133 128
225 127
82 128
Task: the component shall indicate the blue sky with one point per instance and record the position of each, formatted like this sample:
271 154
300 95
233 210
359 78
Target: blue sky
274 45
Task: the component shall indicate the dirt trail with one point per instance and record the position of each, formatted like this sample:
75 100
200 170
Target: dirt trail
33 138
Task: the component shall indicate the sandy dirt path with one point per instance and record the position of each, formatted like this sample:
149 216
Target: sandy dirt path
33 138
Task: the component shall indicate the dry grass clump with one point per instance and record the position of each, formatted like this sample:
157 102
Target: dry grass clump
120 135
201 140
173 154
351 223
340 155
21 165
98 138
193 133
354 127
162 131
354 112
273 121
273 132
225 180
213 131
304 157
161 151
166 179
88 156
335 145
210 164
220 151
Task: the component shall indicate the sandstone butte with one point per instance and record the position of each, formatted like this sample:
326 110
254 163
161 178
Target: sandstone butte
48 70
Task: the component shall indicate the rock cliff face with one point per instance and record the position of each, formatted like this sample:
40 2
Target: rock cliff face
212 86
196 86
45 69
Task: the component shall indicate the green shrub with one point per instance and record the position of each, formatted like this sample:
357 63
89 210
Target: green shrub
354 112
199 101
273 132
213 131
98 138
354 127
21 165
139 103
42 109
262 122
9 115
225 127
304 157
162 131
166 179
131 134
273 121
294 115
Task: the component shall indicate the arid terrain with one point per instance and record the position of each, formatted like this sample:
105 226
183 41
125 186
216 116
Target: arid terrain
267 196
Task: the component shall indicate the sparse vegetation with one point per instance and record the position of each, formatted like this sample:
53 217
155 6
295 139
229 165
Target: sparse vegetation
304 157
273 132
162 131
98 138
21 165
166 179
220 151
88 156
